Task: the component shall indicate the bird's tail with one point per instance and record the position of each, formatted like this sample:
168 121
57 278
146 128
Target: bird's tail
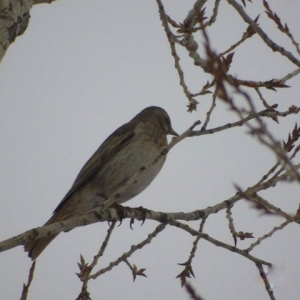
35 248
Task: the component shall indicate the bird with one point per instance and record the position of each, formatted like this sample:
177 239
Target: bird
124 153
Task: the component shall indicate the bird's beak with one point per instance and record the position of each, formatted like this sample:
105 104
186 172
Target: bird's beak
173 132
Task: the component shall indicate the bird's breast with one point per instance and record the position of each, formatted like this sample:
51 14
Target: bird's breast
137 156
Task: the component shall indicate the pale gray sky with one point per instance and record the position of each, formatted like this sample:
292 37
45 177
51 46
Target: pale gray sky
81 70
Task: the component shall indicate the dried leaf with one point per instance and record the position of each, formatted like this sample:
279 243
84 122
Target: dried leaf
244 3
186 273
227 61
249 31
293 109
292 139
244 235
192 106
138 272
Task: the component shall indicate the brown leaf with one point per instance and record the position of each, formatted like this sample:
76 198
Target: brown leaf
192 106
227 61
136 272
186 273
292 139
249 31
244 3
244 235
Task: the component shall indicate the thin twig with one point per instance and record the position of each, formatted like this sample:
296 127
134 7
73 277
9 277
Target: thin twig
27 286
264 277
217 243
262 34
133 248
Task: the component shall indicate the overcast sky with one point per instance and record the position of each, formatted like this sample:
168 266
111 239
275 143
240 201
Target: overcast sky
82 69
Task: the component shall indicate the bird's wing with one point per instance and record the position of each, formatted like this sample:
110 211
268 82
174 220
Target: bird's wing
109 148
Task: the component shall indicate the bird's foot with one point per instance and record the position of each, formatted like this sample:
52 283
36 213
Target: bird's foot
120 211
143 211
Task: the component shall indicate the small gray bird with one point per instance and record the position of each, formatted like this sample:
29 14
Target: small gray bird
128 149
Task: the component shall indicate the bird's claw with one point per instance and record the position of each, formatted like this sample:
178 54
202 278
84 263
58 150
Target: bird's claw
120 212
144 211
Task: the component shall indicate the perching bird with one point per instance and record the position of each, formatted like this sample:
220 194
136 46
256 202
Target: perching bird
128 149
